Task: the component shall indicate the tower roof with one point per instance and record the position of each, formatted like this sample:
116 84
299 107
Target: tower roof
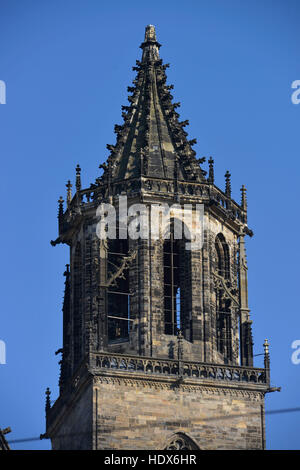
151 141
152 154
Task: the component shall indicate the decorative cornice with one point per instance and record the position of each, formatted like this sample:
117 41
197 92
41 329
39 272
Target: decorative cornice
158 385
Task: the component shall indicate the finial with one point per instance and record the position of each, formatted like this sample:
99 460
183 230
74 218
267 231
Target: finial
244 203
267 360
228 184
69 193
48 402
211 174
244 197
150 33
150 45
78 178
266 347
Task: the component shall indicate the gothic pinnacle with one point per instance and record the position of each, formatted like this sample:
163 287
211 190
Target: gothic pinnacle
266 346
48 402
60 208
211 174
228 184
150 33
244 202
78 178
69 193
244 198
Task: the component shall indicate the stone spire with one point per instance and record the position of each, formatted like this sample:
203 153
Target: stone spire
151 137
211 174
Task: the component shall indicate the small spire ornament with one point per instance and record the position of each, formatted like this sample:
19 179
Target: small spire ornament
48 401
267 360
228 184
266 347
69 193
60 208
211 173
78 178
244 202
244 197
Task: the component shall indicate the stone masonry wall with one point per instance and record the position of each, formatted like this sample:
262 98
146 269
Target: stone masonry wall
138 414
75 431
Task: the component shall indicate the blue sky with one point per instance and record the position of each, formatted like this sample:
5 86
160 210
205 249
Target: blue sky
67 66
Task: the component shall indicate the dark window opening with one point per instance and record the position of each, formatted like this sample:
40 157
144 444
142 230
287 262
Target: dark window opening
171 286
176 284
224 337
118 295
223 319
223 261
224 328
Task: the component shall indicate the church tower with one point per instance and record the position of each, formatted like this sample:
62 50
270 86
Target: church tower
157 346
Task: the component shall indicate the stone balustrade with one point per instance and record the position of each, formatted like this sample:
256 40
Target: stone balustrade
171 367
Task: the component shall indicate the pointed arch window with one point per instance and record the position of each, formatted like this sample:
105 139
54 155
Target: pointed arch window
223 305
223 262
181 441
177 285
118 295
